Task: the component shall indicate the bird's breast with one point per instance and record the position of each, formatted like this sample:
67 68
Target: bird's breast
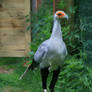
55 55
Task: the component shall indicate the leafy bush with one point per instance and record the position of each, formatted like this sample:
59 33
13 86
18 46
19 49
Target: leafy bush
75 77
41 24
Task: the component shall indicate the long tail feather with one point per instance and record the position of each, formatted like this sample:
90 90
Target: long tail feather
28 68
31 66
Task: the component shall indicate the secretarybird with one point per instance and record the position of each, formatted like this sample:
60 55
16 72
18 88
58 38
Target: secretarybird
51 54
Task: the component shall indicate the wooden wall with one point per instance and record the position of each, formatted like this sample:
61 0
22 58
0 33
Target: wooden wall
14 38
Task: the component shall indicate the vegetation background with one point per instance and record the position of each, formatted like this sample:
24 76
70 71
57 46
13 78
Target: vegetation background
76 74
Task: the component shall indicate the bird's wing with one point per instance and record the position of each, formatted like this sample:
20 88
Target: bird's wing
41 52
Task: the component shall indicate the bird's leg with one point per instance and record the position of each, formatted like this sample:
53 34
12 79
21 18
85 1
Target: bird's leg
54 79
44 75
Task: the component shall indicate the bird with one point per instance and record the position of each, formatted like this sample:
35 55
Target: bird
51 54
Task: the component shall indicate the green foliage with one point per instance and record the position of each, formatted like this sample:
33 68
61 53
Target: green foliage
73 40
41 24
61 5
9 82
75 77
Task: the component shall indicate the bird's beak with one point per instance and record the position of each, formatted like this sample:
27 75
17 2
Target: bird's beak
66 16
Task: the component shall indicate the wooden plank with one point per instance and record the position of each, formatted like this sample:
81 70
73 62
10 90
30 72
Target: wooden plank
15 4
13 1
12 39
12 53
11 47
12 13
14 23
12 32
13 29
27 33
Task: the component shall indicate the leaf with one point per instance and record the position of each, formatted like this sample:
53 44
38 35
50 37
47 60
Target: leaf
28 28
27 20
31 53
26 16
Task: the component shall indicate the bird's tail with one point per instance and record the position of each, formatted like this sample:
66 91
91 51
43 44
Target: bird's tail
34 65
31 66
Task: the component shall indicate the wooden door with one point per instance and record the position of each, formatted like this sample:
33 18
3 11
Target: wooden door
14 38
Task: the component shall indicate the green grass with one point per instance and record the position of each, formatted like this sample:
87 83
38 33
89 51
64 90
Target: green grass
11 82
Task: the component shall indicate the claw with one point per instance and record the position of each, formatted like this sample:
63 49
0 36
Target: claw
45 90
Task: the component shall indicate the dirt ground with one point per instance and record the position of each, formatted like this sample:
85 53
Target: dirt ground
5 71
12 89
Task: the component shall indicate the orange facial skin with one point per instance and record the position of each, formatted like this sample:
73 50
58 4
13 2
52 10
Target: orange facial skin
60 14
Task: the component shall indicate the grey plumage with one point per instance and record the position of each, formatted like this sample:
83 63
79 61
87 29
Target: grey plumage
52 52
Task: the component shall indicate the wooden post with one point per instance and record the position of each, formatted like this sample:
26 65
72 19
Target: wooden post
54 7
27 33
37 3
14 38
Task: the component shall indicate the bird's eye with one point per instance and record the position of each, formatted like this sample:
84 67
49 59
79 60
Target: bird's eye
59 14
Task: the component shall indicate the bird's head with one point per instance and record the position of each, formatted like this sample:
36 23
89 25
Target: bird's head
60 14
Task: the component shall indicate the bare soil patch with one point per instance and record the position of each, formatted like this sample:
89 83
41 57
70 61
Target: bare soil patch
12 89
5 71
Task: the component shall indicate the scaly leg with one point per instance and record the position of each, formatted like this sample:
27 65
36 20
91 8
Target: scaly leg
54 79
44 75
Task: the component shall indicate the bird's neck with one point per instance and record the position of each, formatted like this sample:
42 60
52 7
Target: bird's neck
56 31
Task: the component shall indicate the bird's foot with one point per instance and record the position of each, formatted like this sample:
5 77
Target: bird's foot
51 90
45 90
